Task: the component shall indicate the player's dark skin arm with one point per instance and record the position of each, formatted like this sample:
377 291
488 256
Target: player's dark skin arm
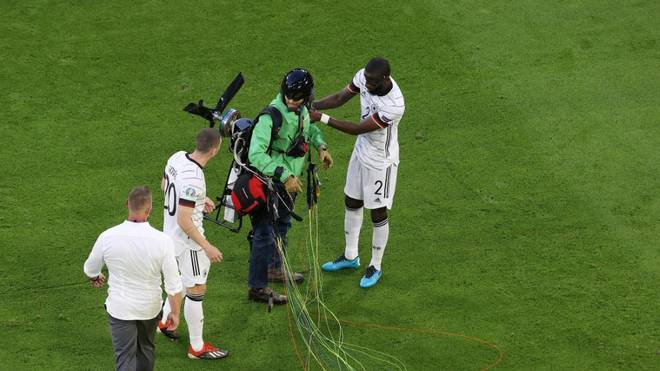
335 100
365 126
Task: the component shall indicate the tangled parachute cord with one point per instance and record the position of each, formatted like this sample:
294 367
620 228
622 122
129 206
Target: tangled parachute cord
319 329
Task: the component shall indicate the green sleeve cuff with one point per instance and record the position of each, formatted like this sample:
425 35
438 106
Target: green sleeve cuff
316 136
285 175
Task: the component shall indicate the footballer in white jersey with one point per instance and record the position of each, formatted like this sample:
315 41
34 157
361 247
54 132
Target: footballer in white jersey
378 149
372 170
184 185
184 190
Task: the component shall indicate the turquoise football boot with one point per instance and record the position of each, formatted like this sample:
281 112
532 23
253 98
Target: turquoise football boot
341 263
371 277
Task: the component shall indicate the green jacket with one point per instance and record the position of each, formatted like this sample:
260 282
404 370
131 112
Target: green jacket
268 164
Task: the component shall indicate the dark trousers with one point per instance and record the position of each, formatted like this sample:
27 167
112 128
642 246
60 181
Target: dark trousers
133 343
263 254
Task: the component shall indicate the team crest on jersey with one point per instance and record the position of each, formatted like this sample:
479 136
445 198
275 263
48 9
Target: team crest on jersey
191 192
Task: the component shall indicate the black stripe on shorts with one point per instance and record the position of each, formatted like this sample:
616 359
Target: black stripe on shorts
194 262
387 182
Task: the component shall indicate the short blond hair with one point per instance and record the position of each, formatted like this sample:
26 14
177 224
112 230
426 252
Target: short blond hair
139 198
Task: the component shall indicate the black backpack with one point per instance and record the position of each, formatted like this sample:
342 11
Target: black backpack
249 194
245 128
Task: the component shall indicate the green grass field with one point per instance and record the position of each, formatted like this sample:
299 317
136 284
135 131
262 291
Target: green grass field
526 215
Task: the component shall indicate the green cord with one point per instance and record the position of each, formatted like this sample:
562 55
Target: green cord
325 347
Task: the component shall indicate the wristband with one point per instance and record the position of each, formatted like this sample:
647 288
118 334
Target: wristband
325 118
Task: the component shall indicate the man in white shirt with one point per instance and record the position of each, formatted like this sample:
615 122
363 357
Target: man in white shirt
184 189
371 177
136 255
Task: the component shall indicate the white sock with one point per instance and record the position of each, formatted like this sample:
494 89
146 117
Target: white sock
379 241
166 311
194 315
352 225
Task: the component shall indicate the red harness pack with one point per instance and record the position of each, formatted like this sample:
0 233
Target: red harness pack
248 194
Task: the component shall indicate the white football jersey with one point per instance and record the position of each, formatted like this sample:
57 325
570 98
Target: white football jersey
380 148
184 185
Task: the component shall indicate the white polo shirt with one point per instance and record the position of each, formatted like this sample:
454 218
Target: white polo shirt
136 254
